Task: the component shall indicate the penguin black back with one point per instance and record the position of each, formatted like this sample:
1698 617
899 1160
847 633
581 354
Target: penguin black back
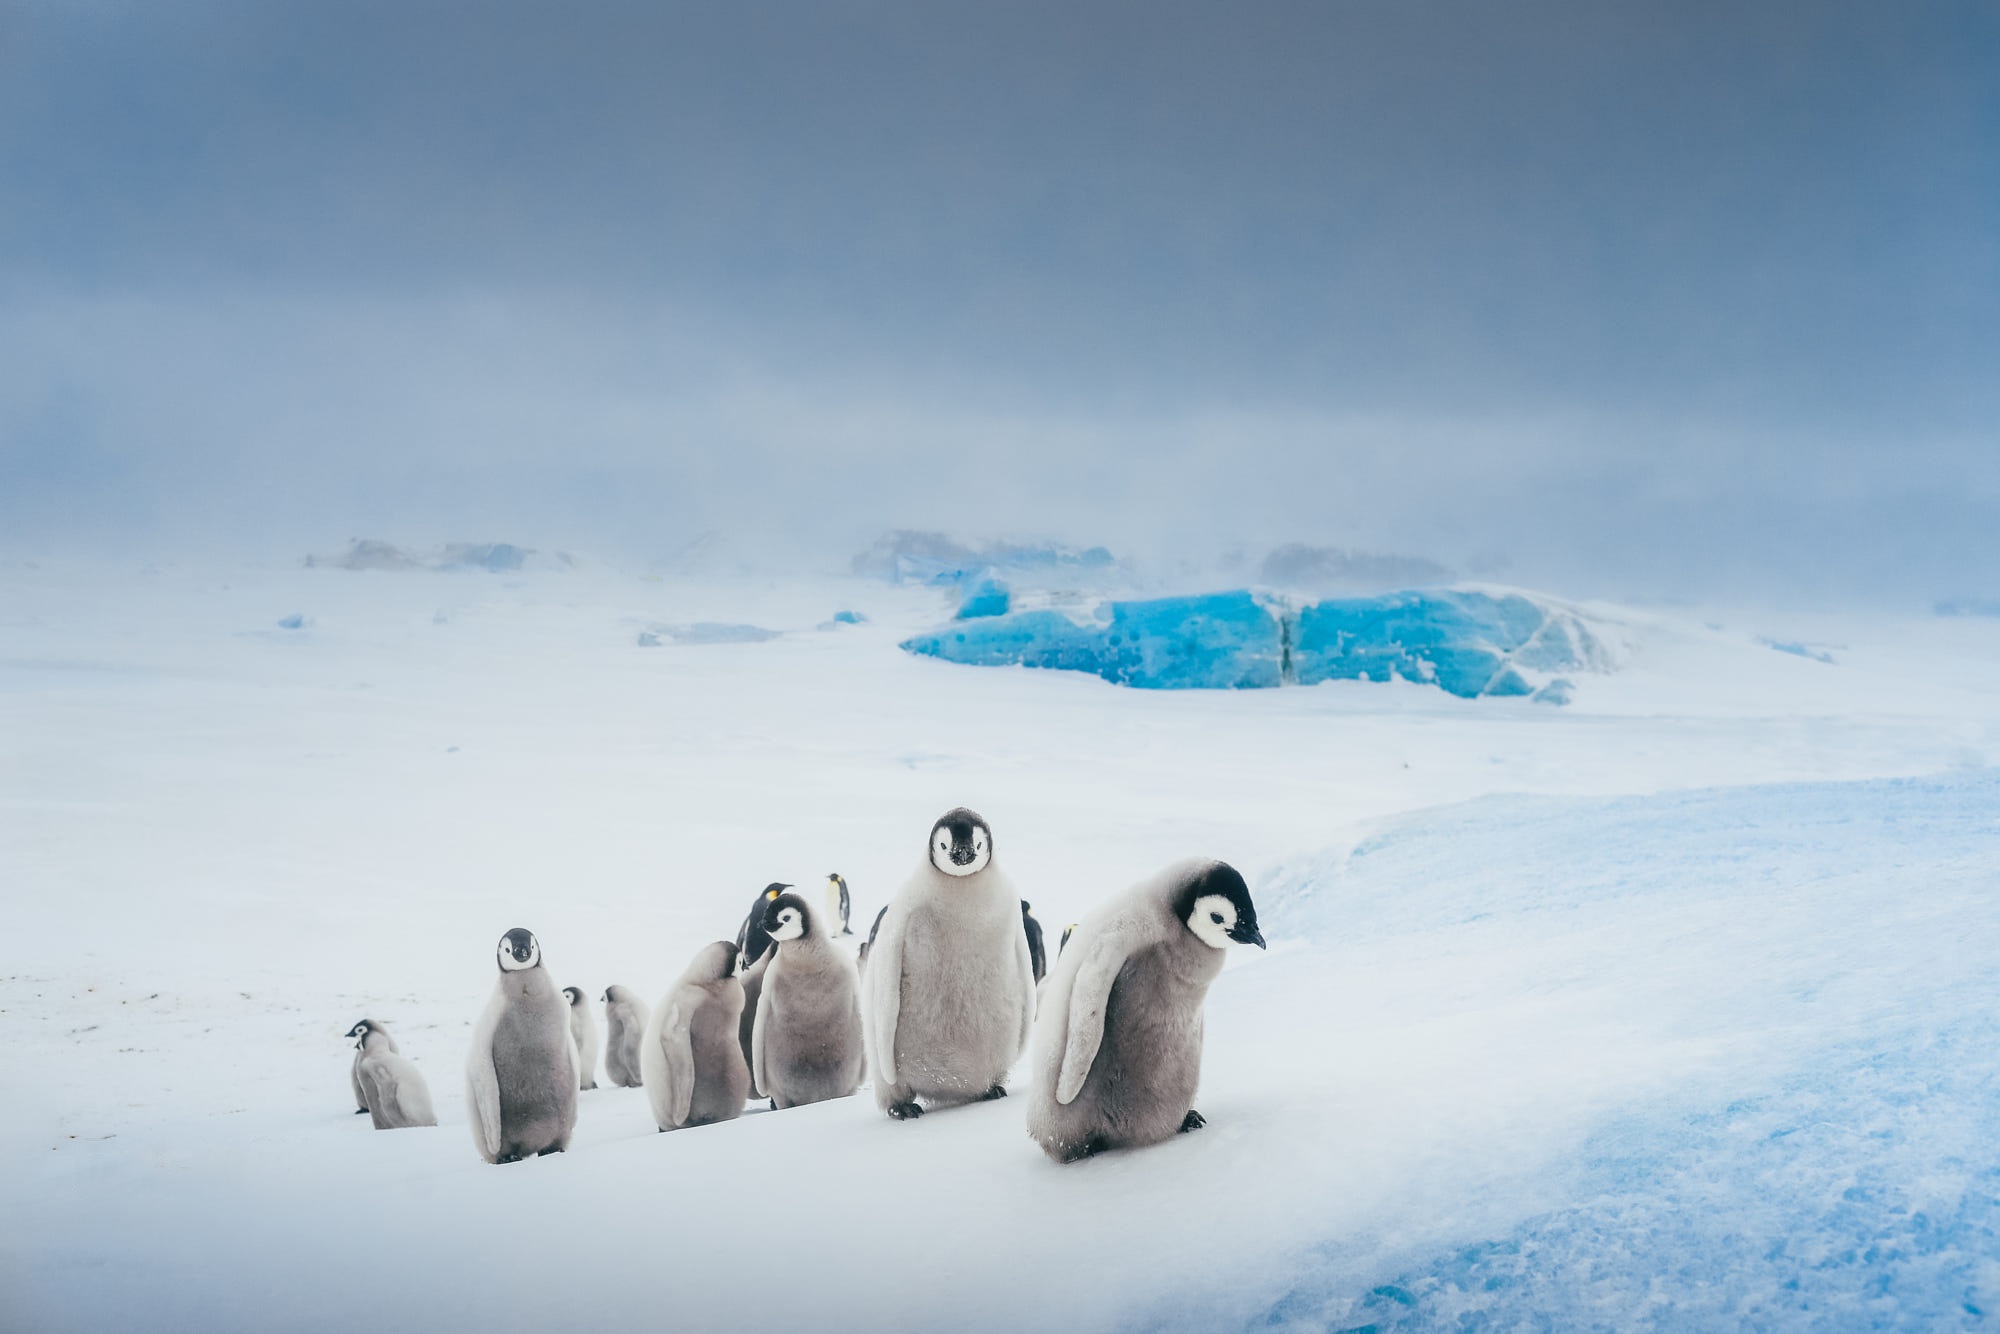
752 940
1037 955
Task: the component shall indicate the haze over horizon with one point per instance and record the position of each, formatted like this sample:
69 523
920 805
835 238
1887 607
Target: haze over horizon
1686 298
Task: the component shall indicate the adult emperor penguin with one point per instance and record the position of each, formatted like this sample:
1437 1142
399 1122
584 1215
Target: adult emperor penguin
1063 944
753 945
397 1096
520 1082
950 992
624 1029
359 1032
584 1029
807 1043
1038 958
837 906
691 1059
1118 1044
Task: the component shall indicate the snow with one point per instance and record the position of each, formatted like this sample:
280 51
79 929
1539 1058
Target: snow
1468 642
1667 1009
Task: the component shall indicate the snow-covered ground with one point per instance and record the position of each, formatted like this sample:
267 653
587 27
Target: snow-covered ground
1675 1006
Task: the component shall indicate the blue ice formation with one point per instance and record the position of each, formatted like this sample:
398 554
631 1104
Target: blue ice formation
988 596
1467 643
296 621
849 618
907 557
1798 649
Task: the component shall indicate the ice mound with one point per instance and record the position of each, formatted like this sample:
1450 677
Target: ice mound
705 632
1799 649
988 596
843 617
1466 642
907 557
370 554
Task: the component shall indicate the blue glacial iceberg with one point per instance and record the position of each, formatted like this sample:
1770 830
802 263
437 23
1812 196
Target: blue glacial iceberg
1467 643
988 596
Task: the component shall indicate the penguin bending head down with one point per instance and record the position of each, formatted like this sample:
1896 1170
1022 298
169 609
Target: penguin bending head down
520 1080
583 1028
950 990
1117 1054
806 1046
397 1096
690 1058
624 1028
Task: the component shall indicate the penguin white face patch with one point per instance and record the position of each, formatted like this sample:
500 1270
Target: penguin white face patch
519 951
789 926
1212 919
960 857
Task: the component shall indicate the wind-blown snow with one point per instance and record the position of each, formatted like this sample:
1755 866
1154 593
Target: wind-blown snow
1511 1028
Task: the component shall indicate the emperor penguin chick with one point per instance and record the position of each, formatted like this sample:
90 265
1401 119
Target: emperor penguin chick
951 988
398 1098
753 948
1117 1053
520 1081
691 1058
624 1030
806 1046
584 1029
358 1032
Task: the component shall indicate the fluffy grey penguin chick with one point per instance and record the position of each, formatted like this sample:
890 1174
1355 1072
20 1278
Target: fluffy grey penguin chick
807 1043
1118 1044
520 1081
691 1058
354 1070
583 1031
753 947
398 1098
950 989
624 1029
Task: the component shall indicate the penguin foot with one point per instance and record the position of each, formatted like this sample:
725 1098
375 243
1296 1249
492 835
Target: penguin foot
361 1111
905 1111
997 1091
1087 1148
553 1148
774 1104
1192 1121
508 1158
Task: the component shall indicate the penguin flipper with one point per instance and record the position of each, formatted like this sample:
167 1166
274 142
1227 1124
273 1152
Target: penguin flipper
758 1075
1089 997
482 1085
885 986
678 1047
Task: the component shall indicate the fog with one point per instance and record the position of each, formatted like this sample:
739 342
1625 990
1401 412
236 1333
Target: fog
1670 299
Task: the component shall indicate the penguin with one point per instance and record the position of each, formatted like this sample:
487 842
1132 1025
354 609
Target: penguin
1117 1053
807 1042
861 958
520 1082
624 1028
691 1058
1038 958
398 1098
951 989
836 905
1063 944
584 1029
359 1031
753 948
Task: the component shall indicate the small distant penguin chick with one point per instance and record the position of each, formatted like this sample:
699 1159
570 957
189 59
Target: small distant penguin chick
691 1058
1117 1054
806 1046
397 1096
357 1032
837 907
753 947
520 1080
583 1028
624 1029
951 987
1038 958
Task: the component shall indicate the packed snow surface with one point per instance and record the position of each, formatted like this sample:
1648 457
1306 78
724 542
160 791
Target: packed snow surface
1467 642
1670 1009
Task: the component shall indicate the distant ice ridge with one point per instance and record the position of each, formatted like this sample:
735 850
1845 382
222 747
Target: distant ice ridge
1467 642
909 557
368 553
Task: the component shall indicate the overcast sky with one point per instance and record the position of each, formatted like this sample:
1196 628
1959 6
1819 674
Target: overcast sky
1633 296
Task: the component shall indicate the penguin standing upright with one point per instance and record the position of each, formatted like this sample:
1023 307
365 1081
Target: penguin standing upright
521 1077
360 1030
837 907
624 1028
583 1028
1117 1053
398 1098
1038 959
807 1043
753 947
691 1060
950 992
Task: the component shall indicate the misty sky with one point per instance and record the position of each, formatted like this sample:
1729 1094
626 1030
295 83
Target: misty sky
1634 297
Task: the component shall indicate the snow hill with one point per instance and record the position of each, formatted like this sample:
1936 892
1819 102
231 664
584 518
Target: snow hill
1670 1009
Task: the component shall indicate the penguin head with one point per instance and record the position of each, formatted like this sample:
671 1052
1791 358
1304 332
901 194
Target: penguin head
1215 905
1063 944
786 917
833 880
574 995
961 843
361 1031
716 962
519 950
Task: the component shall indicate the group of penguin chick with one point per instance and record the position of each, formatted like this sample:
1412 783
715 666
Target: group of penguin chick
946 993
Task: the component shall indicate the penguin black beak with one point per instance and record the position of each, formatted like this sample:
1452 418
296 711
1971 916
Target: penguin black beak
962 854
1249 935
